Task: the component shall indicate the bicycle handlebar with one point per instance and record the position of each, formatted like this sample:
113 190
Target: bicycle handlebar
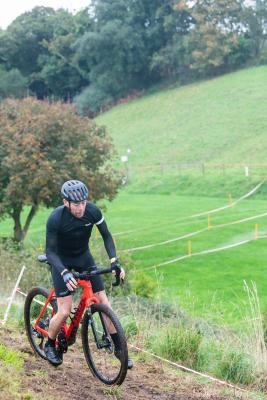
87 275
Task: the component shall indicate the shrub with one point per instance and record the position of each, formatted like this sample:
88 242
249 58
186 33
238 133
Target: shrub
180 344
143 285
129 325
236 367
10 357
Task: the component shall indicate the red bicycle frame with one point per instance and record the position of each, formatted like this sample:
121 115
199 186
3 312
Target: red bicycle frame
87 298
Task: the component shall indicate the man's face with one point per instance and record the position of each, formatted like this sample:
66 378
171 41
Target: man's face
77 209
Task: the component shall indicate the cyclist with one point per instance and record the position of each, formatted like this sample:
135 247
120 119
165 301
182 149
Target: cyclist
68 231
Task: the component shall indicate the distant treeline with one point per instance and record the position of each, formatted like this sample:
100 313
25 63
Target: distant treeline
116 49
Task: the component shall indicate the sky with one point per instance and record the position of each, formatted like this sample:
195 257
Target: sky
11 9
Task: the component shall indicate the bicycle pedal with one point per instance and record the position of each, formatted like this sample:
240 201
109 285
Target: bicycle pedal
62 342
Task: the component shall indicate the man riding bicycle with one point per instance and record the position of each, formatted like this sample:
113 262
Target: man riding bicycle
68 231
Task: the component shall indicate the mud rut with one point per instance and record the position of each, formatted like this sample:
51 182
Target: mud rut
74 381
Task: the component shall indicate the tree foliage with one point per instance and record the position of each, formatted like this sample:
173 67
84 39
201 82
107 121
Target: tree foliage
215 33
12 84
114 48
41 146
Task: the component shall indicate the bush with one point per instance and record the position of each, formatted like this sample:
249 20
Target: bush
129 325
180 344
12 84
143 285
92 100
236 367
12 260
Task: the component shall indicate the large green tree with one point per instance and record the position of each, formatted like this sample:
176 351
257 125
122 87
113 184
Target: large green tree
38 44
215 33
41 146
177 22
117 50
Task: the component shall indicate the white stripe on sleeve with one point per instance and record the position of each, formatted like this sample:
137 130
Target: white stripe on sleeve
100 222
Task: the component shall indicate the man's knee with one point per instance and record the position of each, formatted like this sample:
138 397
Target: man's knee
64 306
102 297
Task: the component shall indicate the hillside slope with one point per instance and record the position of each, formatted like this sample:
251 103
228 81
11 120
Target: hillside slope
209 130
220 120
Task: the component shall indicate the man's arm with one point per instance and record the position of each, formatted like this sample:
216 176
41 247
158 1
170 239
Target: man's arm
108 240
110 248
51 245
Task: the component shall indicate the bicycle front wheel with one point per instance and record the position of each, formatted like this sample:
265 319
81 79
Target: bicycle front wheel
34 302
107 363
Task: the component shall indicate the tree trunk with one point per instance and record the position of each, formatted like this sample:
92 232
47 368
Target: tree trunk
19 232
29 218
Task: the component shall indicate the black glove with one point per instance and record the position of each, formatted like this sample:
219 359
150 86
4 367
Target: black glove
115 266
69 279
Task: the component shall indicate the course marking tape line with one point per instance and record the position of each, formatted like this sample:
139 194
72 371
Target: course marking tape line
36 301
149 246
189 369
250 193
232 204
214 250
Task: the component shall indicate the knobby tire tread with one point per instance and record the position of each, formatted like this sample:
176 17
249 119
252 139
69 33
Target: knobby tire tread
35 291
115 321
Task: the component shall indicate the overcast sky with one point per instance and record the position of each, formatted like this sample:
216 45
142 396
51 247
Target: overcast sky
13 8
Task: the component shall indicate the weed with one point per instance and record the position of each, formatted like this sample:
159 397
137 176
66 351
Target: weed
114 392
236 366
10 357
179 344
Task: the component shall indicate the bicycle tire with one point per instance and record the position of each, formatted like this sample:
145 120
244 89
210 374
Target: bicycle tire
114 370
32 309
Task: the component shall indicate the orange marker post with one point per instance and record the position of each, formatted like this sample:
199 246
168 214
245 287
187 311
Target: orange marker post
209 221
189 248
230 199
256 234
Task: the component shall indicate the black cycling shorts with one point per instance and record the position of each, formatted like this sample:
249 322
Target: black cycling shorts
81 263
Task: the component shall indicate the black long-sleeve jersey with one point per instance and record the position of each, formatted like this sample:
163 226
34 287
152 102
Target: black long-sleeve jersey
68 236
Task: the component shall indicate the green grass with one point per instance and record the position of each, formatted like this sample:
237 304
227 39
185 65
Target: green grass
10 357
172 133
210 284
220 120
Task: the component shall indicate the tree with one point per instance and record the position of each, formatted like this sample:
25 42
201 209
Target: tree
38 44
177 22
12 84
255 20
118 49
61 73
41 146
215 33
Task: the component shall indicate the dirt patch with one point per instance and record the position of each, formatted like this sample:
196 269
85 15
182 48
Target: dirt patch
74 381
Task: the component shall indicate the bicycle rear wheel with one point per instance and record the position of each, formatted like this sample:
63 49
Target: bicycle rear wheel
98 347
33 305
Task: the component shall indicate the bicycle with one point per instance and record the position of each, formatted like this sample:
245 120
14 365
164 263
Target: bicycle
105 362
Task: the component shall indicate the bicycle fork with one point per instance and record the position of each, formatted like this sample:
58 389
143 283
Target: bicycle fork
105 341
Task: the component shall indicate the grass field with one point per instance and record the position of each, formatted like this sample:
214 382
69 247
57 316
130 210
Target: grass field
220 120
196 138
210 284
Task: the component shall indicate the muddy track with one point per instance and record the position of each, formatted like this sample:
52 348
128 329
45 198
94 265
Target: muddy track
73 380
